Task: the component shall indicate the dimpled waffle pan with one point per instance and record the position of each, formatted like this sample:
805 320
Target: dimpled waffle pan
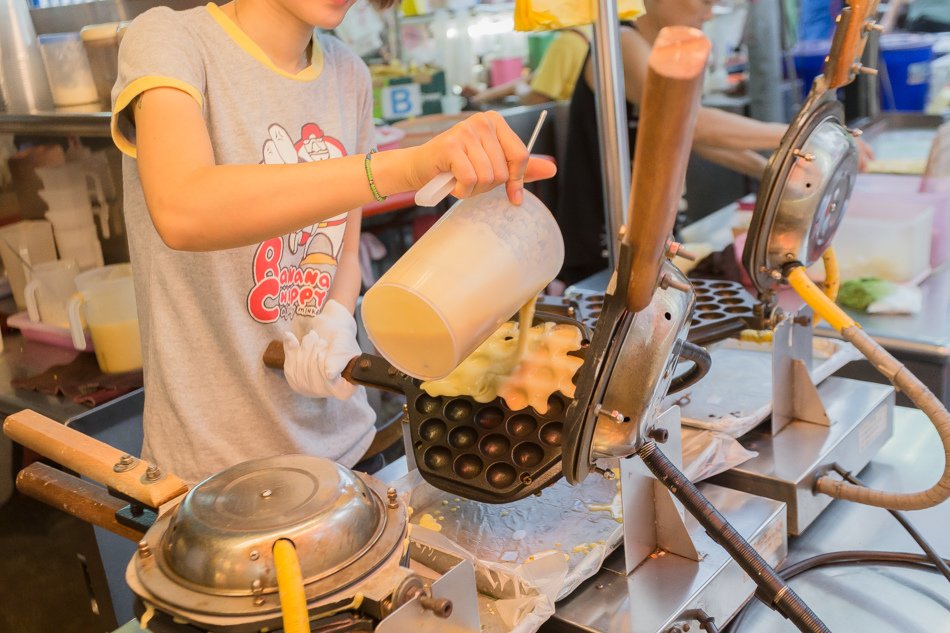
480 451
723 309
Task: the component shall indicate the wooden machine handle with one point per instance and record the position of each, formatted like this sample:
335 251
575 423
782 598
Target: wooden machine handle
664 136
847 47
93 459
74 496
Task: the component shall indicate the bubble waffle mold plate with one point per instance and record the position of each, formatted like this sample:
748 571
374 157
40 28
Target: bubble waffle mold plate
723 309
480 451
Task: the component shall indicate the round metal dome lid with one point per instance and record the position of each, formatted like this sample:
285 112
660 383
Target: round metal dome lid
222 534
803 195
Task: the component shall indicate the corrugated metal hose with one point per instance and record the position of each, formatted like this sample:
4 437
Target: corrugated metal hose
902 379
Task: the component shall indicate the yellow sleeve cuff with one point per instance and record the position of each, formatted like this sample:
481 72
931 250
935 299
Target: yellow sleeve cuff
129 93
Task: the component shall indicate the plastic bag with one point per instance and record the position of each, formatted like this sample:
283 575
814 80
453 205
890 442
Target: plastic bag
546 15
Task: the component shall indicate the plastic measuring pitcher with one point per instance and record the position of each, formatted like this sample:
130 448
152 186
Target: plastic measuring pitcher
52 285
465 277
23 245
106 302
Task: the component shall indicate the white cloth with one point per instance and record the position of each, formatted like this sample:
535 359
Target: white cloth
314 366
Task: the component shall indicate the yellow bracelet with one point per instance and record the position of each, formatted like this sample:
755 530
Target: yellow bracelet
369 177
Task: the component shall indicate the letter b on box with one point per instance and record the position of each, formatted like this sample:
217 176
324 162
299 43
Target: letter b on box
401 101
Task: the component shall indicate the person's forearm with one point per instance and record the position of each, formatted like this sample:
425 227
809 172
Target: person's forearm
226 206
718 128
745 162
348 280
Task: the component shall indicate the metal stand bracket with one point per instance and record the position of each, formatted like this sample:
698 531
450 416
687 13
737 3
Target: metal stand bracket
457 585
794 395
652 518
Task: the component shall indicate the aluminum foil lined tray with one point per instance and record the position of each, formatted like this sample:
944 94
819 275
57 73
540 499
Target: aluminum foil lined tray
556 540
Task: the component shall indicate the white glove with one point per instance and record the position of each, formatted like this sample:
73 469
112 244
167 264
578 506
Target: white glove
314 366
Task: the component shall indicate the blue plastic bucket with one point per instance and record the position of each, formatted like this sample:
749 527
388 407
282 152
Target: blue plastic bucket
810 61
907 57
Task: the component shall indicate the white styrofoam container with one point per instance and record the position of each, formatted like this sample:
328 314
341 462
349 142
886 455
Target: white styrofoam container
886 236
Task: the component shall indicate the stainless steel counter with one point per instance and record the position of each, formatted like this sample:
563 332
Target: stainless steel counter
879 599
22 358
883 600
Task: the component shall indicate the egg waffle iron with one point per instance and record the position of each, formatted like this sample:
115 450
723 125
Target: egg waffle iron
481 451
809 178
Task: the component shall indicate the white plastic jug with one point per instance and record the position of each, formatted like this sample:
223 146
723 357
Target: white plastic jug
106 302
52 285
466 276
28 242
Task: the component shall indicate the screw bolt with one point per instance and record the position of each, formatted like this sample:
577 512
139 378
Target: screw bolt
143 549
660 435
391 497
126 462
804 155
441 607
365 363
676 249
863 70
267 493
668 281
153 473
255 555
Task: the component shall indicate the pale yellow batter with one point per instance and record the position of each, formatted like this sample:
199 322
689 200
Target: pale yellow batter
497 369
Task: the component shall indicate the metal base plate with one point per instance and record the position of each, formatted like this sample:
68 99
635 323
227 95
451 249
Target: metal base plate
861 415
653 597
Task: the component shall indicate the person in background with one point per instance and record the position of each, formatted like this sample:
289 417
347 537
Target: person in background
722 137
556 75
248 139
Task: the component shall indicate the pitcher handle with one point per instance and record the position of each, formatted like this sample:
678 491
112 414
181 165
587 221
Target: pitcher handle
103 205
76 330
29 295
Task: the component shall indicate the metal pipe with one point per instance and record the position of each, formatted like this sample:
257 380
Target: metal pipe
611 123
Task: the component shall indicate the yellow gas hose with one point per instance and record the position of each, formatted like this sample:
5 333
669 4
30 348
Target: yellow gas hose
293 600
903 380
832 277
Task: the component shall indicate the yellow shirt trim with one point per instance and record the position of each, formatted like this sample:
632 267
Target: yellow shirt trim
309 73
134 89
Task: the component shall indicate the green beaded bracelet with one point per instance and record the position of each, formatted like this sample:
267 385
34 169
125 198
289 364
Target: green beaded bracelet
369 177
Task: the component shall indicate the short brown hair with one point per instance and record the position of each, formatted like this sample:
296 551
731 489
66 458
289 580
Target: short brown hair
382 4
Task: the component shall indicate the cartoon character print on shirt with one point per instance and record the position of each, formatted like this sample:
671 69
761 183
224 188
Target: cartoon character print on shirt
292 274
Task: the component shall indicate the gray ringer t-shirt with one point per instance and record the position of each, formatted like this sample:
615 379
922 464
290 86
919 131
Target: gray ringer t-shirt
206 318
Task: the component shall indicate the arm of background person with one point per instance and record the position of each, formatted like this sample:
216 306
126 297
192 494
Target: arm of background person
719 128
745 162
714 128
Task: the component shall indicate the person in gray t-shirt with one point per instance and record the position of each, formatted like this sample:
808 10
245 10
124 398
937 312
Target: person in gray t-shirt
246 139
